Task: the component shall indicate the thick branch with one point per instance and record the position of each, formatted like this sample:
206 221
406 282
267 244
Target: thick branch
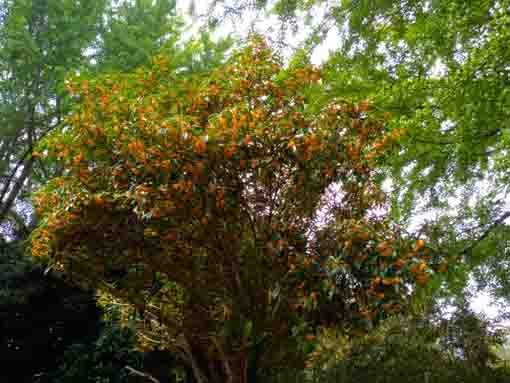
6 206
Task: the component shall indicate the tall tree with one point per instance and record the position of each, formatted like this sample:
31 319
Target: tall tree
40 41
208 202
134 31
441 69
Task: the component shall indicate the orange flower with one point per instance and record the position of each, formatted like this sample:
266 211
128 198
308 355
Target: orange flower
420 244
371 155
171 236
399 263
247 140
363 106
99 201
78 158
395 134
364 235
379 295
223 123
229 152
310 338
378 145
391 281
156 212
200 145
220 202
418 267
422 279
387 252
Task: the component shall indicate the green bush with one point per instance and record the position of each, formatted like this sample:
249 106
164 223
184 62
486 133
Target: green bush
102 360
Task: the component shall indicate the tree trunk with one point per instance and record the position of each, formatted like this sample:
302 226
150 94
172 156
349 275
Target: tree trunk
238 366
15 190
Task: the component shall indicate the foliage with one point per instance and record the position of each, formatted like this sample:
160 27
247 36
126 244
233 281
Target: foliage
471 338
14 270
441 69
406 348
38 46
102 360
41 42
40 315
221 186
235 214
134 31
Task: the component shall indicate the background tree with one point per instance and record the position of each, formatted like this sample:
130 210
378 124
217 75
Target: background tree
42 41
38 47
441 69
40 315
420 345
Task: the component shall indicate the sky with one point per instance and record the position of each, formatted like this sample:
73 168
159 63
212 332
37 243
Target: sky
233 26
482 303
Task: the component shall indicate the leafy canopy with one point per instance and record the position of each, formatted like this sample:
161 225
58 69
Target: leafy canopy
441 68
227 207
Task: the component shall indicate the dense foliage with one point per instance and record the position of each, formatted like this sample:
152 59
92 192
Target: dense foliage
103 359
40 315
228 204
43 41
441 69
407 349
208 202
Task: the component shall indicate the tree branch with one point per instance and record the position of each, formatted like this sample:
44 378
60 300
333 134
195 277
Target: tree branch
6 206
142 374
468 250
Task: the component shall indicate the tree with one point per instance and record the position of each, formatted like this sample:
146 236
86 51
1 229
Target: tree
406 349
441 69
229 210
41 42
135 31
38 47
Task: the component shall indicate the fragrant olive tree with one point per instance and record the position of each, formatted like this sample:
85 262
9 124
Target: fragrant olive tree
229 210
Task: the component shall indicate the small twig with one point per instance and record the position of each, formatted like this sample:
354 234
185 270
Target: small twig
142 374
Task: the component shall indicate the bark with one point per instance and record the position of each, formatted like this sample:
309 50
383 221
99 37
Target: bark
234 363
239 367
187 355
16 188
